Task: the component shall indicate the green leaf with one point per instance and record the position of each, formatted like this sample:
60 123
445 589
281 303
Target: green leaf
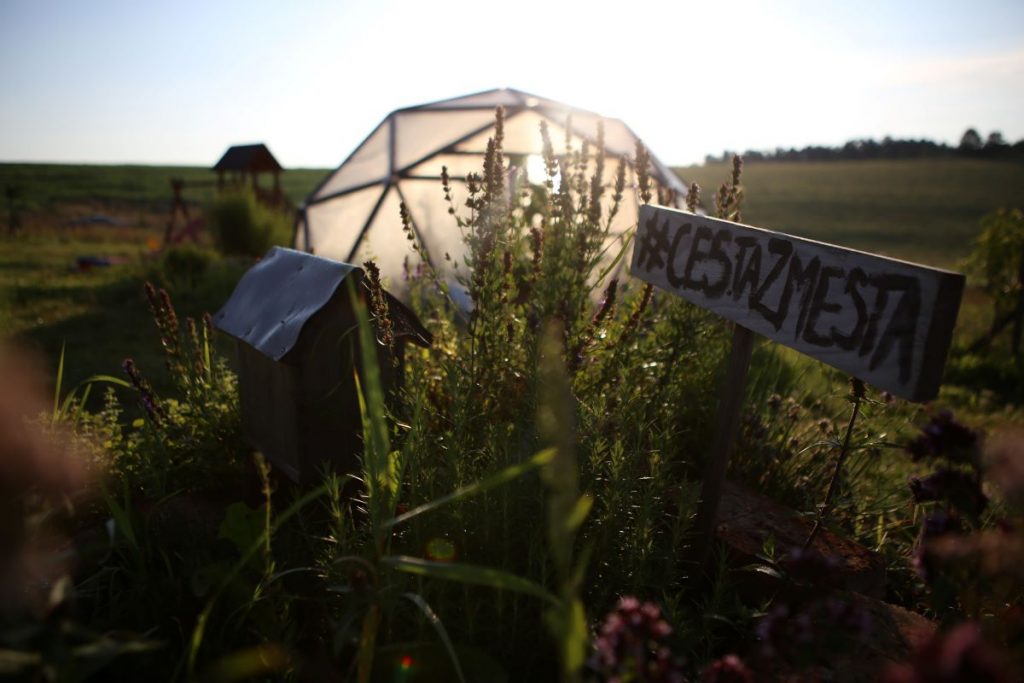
107 379
15 661
122 519
61 412
95 655
575 639
248 663
442 632
618 258
579 513
242 525
367 643
60 380
198 631
381 465
761 569
469 573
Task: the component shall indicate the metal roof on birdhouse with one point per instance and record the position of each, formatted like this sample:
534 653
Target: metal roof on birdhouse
275 298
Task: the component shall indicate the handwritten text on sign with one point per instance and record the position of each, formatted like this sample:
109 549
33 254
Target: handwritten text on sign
885 321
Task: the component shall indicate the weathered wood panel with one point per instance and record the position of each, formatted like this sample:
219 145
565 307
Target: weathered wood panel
885 321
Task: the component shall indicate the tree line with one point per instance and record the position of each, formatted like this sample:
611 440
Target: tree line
972 145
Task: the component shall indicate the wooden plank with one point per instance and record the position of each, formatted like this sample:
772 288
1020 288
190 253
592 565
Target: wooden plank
727 425
885 321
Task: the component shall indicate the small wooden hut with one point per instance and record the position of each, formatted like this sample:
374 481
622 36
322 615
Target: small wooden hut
242 163
292 318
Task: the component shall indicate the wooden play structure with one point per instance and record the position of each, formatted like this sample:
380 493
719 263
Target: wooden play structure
240 165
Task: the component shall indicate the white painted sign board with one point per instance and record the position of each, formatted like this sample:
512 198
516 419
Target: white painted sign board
885 321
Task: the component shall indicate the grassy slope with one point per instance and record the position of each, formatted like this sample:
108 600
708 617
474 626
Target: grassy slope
925 210
101 314
43 185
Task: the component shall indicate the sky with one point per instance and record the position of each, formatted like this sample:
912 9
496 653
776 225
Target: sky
108 81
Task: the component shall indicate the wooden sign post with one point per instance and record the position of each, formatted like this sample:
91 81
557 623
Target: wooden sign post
884 321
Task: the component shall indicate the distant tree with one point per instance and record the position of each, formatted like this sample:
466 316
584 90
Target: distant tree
995 140
888 148
970 141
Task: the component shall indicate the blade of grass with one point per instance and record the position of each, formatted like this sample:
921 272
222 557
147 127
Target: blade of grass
469 573
381 465
121 518
60 379
87 383
618 258
506 475
442 632
368 644
197 632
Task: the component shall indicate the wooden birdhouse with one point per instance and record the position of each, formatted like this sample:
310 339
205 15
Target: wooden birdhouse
293 320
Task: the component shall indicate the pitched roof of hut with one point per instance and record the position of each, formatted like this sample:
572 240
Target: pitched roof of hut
252 158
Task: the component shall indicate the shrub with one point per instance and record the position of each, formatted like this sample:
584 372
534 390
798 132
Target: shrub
185 264
243 226
998 262
641 380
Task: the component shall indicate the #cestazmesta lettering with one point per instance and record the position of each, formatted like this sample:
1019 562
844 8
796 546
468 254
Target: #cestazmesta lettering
771 278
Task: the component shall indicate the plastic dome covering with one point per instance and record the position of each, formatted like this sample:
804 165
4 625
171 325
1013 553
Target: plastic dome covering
354 213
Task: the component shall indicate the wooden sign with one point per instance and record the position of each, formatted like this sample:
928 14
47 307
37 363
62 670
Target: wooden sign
885 321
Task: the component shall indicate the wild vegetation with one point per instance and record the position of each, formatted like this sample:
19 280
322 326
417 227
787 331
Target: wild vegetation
523 507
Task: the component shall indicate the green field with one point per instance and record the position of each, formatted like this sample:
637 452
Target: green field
100 315
925 211
44 186
921 210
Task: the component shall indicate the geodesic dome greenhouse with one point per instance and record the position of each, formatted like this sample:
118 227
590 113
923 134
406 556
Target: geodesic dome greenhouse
354 213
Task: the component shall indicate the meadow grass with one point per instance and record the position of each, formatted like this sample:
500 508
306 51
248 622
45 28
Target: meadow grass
920 210
99 315
42 186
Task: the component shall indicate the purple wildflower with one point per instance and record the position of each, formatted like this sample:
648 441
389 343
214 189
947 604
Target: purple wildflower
943 436
631 645
958 655
149 402
939 523
728 669
962 489
812 632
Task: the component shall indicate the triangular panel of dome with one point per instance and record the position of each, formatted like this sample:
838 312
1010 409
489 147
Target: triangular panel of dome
385 243
335 224
522 136
436 227
459 165
369 163
488 99
420 133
